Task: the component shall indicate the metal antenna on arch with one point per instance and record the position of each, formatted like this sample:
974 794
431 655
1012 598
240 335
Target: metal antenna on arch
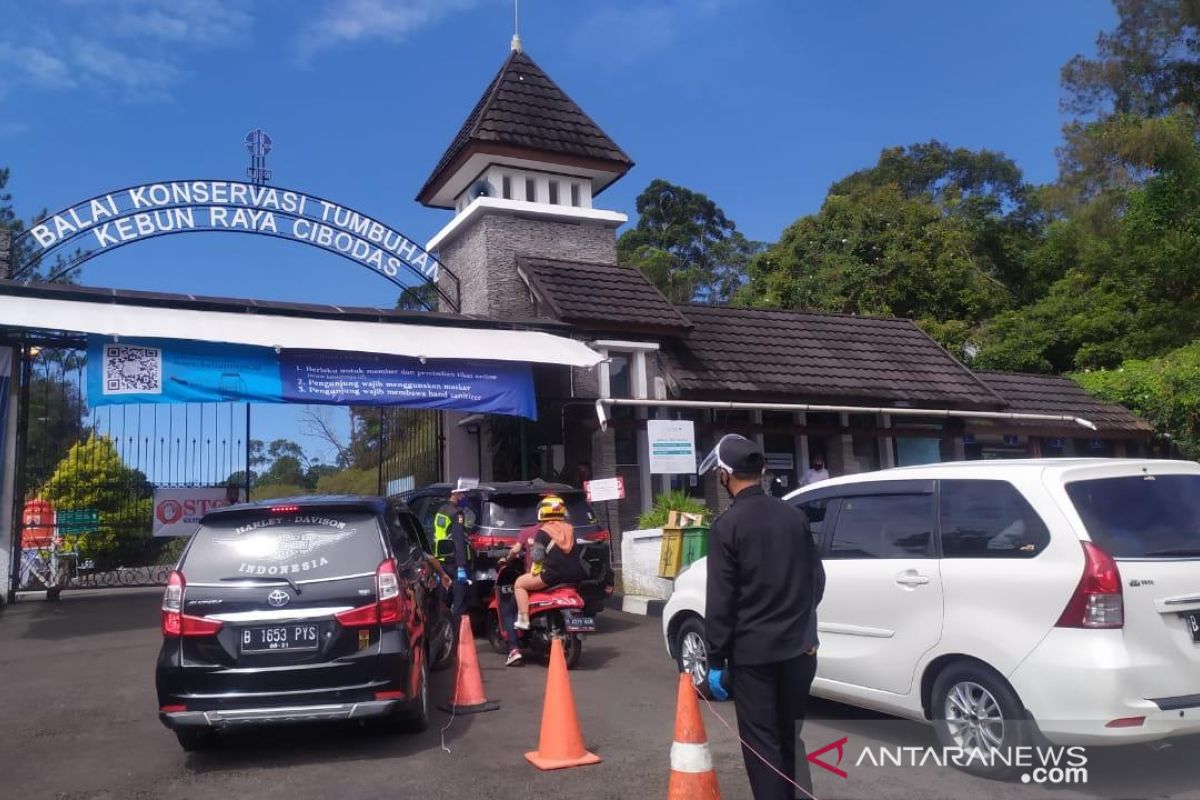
258 142
516 40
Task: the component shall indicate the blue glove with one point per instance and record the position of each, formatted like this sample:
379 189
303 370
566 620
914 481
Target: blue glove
714 684
461 575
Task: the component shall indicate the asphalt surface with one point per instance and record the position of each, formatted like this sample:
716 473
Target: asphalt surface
78 720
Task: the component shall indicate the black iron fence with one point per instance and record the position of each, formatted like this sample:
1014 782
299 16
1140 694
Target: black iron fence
410 449
89 476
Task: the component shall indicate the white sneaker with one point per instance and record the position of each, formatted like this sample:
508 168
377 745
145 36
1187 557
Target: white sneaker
522 623
514 659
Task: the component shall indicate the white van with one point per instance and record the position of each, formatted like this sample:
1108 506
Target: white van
974 594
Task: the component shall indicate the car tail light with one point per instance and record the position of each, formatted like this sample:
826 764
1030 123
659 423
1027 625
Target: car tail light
389 607
485 542
174 622
391 695
1126 722
361 617
284 509
599 536
391 604
172 709
1098 601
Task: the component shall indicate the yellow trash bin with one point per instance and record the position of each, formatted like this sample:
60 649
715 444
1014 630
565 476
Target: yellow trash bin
670 559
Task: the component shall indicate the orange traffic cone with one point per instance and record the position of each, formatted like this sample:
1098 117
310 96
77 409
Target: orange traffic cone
468 688
561 742
692 773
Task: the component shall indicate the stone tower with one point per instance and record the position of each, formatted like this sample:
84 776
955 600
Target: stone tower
521 177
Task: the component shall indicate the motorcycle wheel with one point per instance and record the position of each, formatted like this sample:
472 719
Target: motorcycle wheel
573 649
493 634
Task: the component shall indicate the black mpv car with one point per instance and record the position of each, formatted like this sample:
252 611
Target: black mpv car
307 609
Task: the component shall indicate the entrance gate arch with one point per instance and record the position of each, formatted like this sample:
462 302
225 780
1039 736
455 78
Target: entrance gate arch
92 526
69 238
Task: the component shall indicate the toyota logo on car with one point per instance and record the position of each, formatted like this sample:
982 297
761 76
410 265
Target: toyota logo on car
278 598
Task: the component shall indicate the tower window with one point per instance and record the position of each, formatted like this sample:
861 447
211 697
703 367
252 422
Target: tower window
531 190
575 194
554 193
506 187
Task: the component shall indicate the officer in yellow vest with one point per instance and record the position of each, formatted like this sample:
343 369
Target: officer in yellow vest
449 524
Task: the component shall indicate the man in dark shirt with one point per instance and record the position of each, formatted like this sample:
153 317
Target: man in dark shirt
764 583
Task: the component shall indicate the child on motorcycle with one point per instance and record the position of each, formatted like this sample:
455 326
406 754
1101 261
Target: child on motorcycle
555 559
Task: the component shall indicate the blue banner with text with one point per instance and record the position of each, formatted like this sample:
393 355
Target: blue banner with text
175 371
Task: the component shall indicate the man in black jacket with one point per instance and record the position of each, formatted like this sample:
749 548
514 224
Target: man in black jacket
764 583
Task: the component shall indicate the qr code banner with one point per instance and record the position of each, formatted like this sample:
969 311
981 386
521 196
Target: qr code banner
131 369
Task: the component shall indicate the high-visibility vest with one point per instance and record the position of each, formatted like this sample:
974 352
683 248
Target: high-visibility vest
441 526
441 532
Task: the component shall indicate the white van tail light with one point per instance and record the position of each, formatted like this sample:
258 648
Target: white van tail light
1098 601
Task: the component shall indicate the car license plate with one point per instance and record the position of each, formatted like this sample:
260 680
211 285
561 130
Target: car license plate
1193 623
275 638
581 624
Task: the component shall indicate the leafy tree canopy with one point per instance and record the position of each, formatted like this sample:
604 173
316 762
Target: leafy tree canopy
685 245
1133 293
92 476
1165 391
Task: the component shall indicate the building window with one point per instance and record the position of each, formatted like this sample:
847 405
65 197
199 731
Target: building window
506 187
620 378
575 195
531 190
624 374
554 193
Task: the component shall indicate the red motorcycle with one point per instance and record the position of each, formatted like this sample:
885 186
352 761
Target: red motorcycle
555 612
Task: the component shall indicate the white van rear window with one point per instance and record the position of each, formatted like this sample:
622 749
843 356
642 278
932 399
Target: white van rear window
1141 516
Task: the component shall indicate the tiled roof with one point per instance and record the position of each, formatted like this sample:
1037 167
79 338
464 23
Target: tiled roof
1029 393
523 107
602 296
808 356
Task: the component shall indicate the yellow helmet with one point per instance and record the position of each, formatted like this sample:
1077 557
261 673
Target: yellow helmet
551 507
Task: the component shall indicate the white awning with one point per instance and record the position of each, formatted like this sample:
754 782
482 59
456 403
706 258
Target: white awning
273 330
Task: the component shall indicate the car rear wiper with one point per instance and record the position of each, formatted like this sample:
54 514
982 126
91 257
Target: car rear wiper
269 579
1176 551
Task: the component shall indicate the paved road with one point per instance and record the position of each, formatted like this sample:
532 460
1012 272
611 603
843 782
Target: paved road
77 711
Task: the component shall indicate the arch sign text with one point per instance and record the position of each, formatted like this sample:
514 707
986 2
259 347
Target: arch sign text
114 219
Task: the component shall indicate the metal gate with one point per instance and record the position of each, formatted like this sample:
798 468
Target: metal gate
411 449
86 477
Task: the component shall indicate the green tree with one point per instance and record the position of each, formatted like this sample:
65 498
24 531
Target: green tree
350 481
1133 292
272 491
878 252
421 297
685 245
1165 391
8 214
983 189
92 476
1148 66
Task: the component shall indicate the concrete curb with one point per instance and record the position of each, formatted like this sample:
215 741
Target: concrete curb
637 604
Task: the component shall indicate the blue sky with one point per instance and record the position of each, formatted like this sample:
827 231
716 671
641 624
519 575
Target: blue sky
759 103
